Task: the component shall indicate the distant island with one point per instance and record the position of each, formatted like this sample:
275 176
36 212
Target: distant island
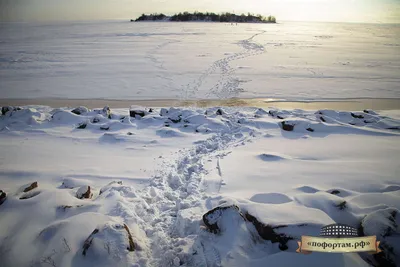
212 17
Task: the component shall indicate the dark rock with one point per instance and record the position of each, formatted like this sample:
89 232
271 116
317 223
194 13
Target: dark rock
105 128
366 111
129 133
220 112
88 242
310 129
134 112
30 187
286 126
210 219
95 120
6 109
393 128
176 120
84 192
80 110
357 116
131 246
3 196
342 205
30 195
151 110
267 232
322 119
335 192
81 125
279 117
384 226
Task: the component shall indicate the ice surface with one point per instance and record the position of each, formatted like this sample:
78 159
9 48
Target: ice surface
123 60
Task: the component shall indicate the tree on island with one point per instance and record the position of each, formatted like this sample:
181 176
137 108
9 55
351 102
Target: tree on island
199 16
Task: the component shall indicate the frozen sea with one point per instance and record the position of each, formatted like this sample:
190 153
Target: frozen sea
137 61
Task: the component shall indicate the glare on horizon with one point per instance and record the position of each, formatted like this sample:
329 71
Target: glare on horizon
374 11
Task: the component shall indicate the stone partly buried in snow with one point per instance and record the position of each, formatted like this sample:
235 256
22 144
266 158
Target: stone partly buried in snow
6 109
28 191
131 246
137 112
102 232
3 196
266 232
383 223
80 110
287 126
84 192
30 187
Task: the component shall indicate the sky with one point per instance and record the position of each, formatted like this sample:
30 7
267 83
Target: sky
375 11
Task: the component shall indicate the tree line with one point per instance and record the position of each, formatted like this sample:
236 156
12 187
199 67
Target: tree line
199 16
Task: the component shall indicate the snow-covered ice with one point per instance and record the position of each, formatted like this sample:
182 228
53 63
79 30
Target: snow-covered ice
116 190
123 60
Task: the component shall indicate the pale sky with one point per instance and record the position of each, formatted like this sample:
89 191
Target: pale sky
376 11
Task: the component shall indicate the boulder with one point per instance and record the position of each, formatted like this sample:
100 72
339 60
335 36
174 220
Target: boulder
286 126
80 110
136 112
30 187
6 109
81 125
211 218
384 224
3 196
84 192
267 232
357 116
88 242
220 112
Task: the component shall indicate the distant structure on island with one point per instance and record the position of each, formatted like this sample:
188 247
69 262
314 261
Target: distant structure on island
199 16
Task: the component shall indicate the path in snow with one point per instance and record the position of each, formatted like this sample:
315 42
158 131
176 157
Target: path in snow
228 85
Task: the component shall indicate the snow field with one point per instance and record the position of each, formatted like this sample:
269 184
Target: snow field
157 173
